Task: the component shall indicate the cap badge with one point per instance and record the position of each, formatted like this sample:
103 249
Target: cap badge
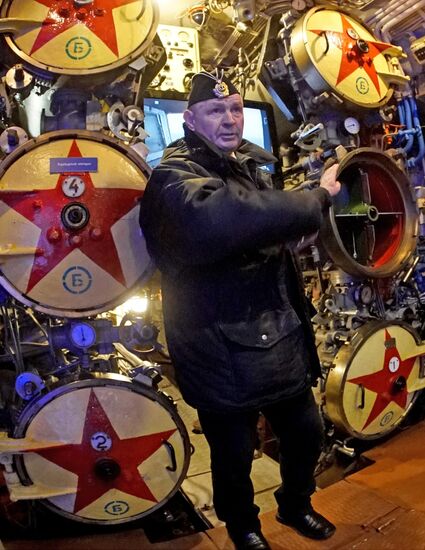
221 89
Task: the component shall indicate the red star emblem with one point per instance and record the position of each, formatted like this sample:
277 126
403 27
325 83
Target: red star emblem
389 383
63 15
95 240
125 455
356 53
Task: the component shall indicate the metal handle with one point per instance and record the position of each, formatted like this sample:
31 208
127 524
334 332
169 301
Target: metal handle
172 453
362 396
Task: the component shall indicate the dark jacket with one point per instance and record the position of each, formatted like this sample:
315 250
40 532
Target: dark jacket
235 314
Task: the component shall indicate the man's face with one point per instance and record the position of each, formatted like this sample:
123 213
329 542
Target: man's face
218 120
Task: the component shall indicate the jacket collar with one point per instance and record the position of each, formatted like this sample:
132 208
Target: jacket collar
215 158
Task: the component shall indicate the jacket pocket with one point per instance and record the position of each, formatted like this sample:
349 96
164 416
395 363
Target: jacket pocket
263 331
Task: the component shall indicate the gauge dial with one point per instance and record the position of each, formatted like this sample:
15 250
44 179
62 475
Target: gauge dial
352 125
298 5
82 335
364 294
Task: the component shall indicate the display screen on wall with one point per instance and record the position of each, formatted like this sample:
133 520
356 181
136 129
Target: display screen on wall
164 124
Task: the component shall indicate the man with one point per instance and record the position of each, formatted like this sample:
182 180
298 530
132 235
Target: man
236 319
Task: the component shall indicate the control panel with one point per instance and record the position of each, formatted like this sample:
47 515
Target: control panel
183 60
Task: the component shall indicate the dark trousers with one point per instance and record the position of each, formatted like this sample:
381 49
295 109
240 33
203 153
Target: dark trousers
232 436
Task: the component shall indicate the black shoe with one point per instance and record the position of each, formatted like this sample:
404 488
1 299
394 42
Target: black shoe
310 524
252 540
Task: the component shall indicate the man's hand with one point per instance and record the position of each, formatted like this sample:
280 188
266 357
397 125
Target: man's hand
329 181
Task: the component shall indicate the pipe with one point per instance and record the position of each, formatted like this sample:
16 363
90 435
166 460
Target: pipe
417 125
409 126
382 12
392 15
394 20
401 114
400 109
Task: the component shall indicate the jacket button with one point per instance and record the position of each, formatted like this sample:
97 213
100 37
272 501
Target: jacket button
264 337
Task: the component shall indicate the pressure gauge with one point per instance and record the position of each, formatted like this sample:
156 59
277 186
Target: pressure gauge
364 294
298 5
82 335
352 125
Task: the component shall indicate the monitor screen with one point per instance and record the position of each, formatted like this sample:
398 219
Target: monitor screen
164 124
